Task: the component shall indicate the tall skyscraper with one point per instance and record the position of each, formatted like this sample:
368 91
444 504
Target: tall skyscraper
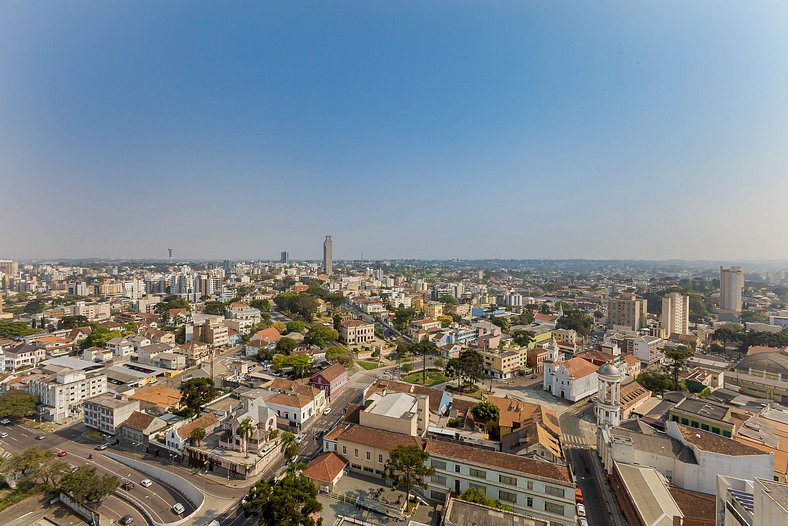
328 254
284 257
675 313
731 287
627 311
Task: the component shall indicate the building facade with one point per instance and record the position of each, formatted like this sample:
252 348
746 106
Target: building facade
675 313
107 411
62 394
627 311
731 287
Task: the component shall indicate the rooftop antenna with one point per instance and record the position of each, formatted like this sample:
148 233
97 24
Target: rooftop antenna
170 251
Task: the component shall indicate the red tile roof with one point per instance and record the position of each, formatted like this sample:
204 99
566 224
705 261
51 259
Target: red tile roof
325 467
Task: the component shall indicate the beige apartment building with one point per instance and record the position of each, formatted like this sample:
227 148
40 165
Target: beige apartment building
353 332
675 314
626 312
731 287
397 412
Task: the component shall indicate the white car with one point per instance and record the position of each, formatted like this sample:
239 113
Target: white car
5 421
327 411
178 508
3 434
299 438
581 510
583 522
145 483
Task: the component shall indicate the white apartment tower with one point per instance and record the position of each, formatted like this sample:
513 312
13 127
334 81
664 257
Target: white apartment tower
675 313
328 254
731 287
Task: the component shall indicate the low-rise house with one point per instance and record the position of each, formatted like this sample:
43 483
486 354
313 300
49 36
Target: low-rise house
139 340
137 429
157 336
326 470
24 355
195 352
107 411
158 399
120 346
285 386
97 354
242 311
147 354
55 346
170 360
366 449
333 380
178 437
397 412
262 418
294 411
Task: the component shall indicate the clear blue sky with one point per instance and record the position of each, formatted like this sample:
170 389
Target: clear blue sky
403 129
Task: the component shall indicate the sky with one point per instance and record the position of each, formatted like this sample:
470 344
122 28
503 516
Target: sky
505 129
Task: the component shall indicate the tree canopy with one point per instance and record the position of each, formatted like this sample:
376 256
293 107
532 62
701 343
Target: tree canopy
99 337
479 496
303 305
295 326
403 316
320 335
261 305
339 355
301 363
14 329
578 320
291 501
217 308
286 345
87 487
17 404
523 338
657 381
197 392
406 468
486 412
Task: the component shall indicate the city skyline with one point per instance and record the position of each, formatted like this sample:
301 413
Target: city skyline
513 131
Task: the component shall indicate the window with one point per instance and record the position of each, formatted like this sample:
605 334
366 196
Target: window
530 485
695 424
344 450
555 492
438 464
552 507
704 427
715 430
456 468
438 479
478 473
506 479
685 421
380 459
529 501
507 496
356 453
369 455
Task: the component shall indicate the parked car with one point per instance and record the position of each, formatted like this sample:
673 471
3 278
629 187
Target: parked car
327 411
583 522
581 510
5 421
62 453
101 447
40 437
145 483
126 519
128 485
299 438
3 434
178 508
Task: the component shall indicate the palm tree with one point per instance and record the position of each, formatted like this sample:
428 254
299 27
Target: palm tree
273 433
288 446
245 430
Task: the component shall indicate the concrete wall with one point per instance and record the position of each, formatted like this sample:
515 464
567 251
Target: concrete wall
186 488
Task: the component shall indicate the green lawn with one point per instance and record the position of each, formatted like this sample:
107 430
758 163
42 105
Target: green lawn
434 377
367 365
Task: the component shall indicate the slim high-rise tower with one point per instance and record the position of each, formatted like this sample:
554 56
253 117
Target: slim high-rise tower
328 253
170 251
731 287
675 313
284 257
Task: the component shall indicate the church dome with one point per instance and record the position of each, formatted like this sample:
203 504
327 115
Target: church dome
608 370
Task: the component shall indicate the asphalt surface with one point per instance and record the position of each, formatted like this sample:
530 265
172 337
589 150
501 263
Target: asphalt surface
157 499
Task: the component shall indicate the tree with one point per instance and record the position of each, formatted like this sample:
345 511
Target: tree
288 446
286 345
196 392
577 320
503 323
339 355
403 316
261 305
472 364
99 337
86 487
14 329
35 306
130 327
17 404
301 363
217 308
477 495
545 309
445 320
295 326
453 369
291 501
448 299
30 462
523 338
406 468
656 381
197 434
678 357
320 335
727 333
424 348
487 413
245 431
406 368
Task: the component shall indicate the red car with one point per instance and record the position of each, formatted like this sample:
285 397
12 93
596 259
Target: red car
61 453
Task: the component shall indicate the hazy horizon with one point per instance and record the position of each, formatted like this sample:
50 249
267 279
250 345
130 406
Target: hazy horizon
514 130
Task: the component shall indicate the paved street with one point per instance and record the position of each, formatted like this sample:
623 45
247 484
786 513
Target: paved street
158 499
